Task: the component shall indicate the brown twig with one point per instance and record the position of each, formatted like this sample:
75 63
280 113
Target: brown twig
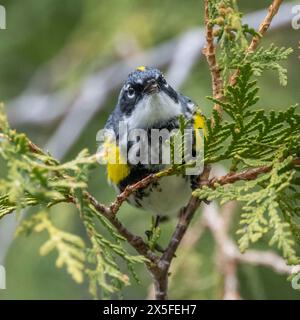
137 242
248 174
32 146
130 189
185 217
210 53
264 26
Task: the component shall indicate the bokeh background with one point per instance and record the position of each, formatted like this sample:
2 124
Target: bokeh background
61 67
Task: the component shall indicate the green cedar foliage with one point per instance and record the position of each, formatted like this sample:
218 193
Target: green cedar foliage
249 137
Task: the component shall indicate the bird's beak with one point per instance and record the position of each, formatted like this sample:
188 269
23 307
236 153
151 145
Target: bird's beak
151 87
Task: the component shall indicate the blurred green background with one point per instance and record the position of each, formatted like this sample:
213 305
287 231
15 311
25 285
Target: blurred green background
70 39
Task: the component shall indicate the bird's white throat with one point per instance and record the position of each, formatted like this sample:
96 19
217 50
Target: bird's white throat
153 109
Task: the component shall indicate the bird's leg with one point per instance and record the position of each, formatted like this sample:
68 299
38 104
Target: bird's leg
154 225
158 220
161 219
154 233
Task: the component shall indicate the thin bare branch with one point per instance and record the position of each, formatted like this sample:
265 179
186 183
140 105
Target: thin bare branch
264 26
248 174
210 53
136 241
185 217
265 258
130 189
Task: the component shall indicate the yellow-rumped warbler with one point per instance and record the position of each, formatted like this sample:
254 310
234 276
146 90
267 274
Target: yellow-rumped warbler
147 102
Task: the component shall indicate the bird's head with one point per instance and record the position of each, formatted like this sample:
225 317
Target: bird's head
147 99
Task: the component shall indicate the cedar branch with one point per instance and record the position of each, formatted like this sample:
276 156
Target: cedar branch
264 26
210 53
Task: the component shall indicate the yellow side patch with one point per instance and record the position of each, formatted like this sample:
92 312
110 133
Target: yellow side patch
141 68
117 169
199 122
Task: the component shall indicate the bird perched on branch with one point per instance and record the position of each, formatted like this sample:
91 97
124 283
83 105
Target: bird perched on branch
148 103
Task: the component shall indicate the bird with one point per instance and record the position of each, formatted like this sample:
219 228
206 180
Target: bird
146 102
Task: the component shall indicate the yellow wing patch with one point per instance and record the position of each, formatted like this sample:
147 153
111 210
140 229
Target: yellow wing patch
117 169
141 68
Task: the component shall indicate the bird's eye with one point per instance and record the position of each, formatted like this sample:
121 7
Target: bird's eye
164 81
130 93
